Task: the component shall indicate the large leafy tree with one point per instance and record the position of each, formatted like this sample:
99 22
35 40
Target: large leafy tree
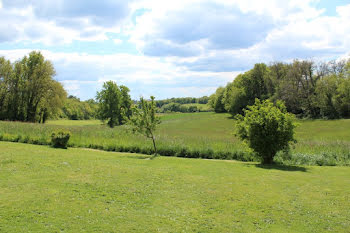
6 72
109 100
53 102
255 83
38 74
114 103
31 94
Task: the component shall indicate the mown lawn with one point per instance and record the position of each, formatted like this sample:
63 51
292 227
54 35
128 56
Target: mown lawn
79 190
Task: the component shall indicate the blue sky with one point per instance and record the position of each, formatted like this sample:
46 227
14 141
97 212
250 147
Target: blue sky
170 48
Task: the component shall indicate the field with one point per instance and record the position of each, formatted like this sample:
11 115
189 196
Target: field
205 135
201 107
82 190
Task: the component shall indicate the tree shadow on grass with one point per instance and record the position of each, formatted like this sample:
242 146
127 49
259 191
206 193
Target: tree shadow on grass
231 117
140 156
282 167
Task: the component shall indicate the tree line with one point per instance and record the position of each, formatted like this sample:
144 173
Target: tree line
28 91
309 90
184 100
75 109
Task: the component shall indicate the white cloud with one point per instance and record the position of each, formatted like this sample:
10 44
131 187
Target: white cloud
344 11
185 46
298 30
84 74
117 41
62 21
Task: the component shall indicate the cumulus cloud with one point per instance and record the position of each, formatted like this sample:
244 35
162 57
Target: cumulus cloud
233 35
84 74
224 25
61 21
89 12
171 48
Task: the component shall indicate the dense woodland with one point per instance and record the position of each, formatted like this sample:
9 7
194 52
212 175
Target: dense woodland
308 90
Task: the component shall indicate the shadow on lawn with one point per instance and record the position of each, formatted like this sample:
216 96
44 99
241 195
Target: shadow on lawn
282 167
146 157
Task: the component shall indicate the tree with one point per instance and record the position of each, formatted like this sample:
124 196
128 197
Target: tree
74 109
38 74
126 101
28 91
145 121
109 99
255 83
6 72
53 101
326 91
235 98
114 103
216 100
266 128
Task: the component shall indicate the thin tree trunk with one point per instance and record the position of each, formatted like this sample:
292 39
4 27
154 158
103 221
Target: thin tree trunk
154 145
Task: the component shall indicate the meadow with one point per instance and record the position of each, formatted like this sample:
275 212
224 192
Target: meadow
200 107
197 135
43 189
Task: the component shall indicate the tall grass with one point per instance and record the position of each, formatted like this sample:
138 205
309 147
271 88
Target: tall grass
196 135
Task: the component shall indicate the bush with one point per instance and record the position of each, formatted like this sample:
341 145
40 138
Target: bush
266 128
60 138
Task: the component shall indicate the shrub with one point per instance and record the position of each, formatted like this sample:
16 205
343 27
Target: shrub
266 128
60 138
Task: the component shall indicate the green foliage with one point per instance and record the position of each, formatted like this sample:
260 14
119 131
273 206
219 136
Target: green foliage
308 90
60 138
145 121
184 100
176 107
235 98
27 90
74 109
266 128
114 103
216 100
126 103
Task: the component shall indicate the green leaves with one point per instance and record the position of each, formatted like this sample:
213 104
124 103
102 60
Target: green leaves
28 91
144 119
267 128
114 103
60 138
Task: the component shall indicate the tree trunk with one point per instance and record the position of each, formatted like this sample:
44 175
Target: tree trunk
267 160
154 145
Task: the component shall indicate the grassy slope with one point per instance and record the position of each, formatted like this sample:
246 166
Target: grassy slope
195 131
74 190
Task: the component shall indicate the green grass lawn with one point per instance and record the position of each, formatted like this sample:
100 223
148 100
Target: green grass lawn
78 190
319 141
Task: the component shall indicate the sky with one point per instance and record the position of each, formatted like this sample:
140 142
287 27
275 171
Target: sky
170 48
